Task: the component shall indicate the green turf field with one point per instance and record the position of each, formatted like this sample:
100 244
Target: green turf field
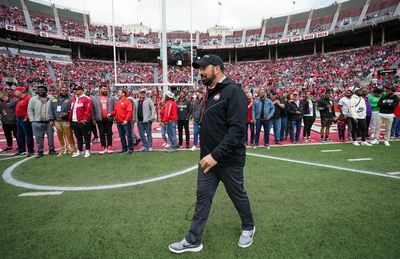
300 210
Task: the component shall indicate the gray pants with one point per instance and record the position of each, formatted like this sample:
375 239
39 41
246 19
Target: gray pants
39 128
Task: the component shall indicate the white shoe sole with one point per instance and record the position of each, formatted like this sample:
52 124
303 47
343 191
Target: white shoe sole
249 244
195 249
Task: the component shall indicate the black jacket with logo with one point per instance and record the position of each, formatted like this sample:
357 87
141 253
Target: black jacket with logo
223 127
388 104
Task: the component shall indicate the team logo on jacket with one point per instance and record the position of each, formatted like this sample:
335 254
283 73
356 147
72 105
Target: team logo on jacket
216 97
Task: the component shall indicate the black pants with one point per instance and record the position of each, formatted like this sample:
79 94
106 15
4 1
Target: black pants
341 134
105 130
367 122
82 132
183 124
9 131
252 129
232 178
308 122
360 126
93 129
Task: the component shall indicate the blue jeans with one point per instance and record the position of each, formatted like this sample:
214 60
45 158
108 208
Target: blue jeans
295 124
265 125
164 133
284 123
145 133
276 124
125 132
25 136
196 131
171 130
395 132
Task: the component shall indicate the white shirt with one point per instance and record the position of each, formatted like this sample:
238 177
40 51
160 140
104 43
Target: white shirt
344 102
76 105
310 105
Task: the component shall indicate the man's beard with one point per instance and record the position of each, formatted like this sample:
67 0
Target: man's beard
42 94
63 94
208 81
103 93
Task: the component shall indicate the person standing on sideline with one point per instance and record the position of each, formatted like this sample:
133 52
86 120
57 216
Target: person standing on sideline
343 107
309 116
263 110
38 112
295 111
24 126
123 114
103 104
373 100
327 114
283 104
358 113
249 121
276 117
387 104
196 114
222 153
184 112
8 119
145 113
169 119
59 109
80 117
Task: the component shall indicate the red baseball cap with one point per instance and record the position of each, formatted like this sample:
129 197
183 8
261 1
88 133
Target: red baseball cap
20 88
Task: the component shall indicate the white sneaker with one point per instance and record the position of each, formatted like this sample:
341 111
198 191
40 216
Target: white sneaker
167 145
374 142
164 144
365 143
150 149
246 238
355 143
386 143
87 154
76 154
193 148
184 246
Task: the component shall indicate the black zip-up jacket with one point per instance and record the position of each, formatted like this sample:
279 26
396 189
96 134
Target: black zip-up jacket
223 126
388 104
7 111
293 108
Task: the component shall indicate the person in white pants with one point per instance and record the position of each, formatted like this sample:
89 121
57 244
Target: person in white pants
373 100
386 104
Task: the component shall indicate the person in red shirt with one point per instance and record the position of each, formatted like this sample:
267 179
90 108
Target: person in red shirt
103 104
395 131
24 126
170 117
249 121
122 114
80 118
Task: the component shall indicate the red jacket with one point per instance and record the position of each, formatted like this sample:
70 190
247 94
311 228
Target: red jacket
21 110
249 111
397 111
122 110
170 112
83 109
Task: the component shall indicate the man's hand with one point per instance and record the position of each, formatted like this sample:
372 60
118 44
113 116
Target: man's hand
207 163
51 123
124 122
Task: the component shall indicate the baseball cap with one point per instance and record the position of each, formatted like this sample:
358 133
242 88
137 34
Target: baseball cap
354 88
279 91
143 90
169 94
78 87
210 59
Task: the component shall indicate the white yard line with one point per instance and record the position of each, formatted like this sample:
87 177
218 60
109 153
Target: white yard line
7 176
331 150
359 159
32 194
326 166
393 173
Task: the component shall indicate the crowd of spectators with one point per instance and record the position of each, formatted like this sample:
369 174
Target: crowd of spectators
12 15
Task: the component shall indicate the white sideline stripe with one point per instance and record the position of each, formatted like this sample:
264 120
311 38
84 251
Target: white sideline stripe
326 166
26 194
331 150
359 159
8 158
393 173
7 176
